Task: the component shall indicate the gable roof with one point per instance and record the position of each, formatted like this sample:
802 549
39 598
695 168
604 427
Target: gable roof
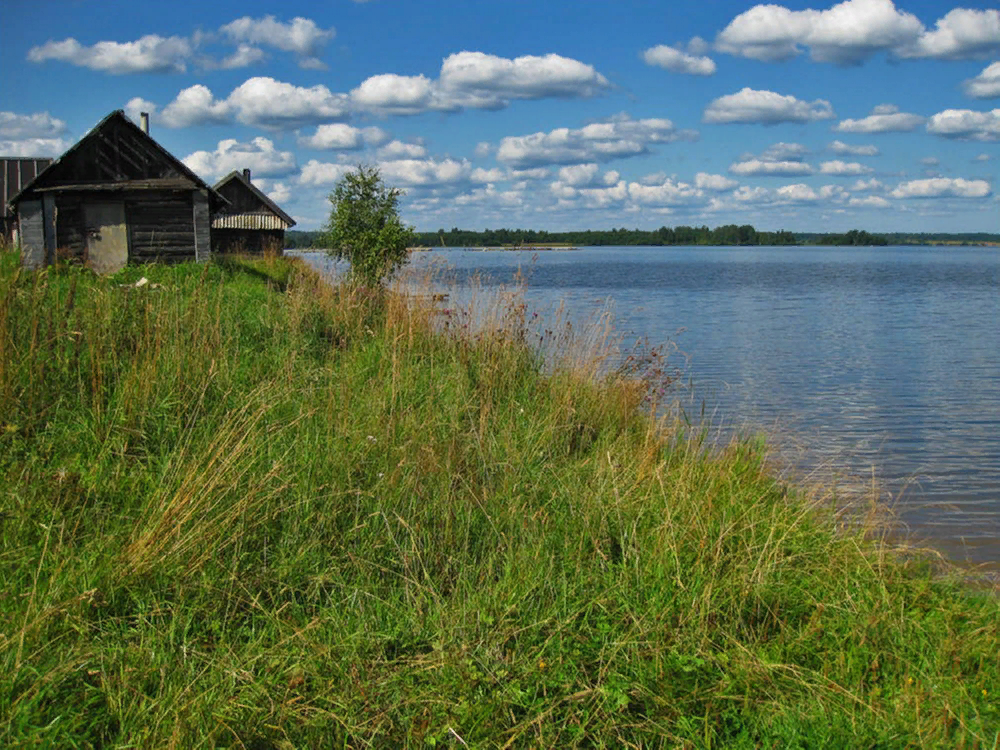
98 161
265 202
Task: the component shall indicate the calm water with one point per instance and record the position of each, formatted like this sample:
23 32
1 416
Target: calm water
872 359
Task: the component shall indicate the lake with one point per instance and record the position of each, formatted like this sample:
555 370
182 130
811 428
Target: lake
874 362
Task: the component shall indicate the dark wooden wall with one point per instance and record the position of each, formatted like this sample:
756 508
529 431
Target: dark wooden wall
248 240
160 225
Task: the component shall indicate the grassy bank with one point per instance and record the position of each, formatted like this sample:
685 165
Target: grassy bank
241 508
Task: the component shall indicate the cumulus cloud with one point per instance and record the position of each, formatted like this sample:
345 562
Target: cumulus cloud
986 85
37 125
476 80
982 157
33 146
149 54
425 172
401 150
780 159
579 174
300 36
598 142
851 32
885 118
845 34
843 168
244 56
259 155
867 185
942 187
37 134
763 167
715 182
961 34
260 101
677 61
334 137
135 106
839 147
195 105
766 108
667 193
319 174
966 124
869 201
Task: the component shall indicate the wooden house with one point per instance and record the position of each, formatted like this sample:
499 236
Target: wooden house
15 173
116 197
252 222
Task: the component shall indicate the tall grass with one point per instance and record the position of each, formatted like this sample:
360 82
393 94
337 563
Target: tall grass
242 507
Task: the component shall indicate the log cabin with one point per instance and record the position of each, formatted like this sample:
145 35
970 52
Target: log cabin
116 197
252 222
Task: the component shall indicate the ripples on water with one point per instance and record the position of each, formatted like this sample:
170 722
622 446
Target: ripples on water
874 359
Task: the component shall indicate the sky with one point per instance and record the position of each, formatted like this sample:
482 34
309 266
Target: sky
542 114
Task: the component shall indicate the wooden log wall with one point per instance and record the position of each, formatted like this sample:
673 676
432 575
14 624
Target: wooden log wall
161 227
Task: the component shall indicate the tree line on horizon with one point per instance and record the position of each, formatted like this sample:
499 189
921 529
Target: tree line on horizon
728 235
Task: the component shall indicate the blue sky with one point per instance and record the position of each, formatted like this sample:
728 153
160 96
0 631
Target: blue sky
548 115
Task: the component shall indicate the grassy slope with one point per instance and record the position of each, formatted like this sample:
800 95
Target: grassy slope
248 510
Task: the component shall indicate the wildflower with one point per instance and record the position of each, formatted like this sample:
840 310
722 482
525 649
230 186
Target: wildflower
542 665
371 439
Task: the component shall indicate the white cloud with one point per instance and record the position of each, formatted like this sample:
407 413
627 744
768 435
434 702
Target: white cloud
481 175
598 142
579 175
847 33
885 118
136 106
195 105
940 187
961 34
425 172
869 201
668 193
765 107
33 146
269 103
678 61
797 193
966 124
765 167
300 36
401 150
260 101
839 147
982 157
867 185
334 137
986 85
279 192
244 56
38 125
843 168
785 151
930 161
716 182
318 174
490 81
149 54
392 94
479 81
260 156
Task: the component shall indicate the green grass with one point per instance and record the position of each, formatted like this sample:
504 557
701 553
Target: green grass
242 508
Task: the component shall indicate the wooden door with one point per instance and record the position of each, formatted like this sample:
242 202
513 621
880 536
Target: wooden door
107 238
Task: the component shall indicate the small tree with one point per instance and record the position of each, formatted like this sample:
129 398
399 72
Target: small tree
365 227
